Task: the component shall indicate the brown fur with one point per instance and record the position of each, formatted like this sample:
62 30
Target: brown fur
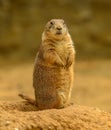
53 69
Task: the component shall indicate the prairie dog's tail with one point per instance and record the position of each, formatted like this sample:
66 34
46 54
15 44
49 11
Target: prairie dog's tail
31 101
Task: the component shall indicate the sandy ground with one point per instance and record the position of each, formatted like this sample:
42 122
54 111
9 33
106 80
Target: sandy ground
23 116
92 85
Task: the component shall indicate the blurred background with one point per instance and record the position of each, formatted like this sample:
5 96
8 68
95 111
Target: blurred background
21 25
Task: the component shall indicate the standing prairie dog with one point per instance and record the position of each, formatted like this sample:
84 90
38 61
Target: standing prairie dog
54 67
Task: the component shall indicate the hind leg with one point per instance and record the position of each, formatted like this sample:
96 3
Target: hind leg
64 100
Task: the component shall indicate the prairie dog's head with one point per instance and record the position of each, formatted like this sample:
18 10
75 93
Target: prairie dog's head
55 28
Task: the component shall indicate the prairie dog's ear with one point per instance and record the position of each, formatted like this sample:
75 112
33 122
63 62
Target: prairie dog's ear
63 21
47 26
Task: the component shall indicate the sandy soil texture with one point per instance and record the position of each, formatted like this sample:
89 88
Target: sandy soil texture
23 116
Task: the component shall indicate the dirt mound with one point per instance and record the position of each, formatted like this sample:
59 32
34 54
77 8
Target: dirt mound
23 116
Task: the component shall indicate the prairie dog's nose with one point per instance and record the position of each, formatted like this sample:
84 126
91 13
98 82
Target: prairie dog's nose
59 28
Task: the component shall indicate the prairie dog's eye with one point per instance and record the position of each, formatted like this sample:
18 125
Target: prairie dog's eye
52 23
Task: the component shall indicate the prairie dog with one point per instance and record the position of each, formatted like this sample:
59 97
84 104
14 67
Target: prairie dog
53 72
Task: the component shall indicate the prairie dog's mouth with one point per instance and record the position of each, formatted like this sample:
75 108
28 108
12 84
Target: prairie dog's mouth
59 32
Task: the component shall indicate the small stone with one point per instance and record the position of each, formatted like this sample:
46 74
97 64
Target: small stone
7 123
16 129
